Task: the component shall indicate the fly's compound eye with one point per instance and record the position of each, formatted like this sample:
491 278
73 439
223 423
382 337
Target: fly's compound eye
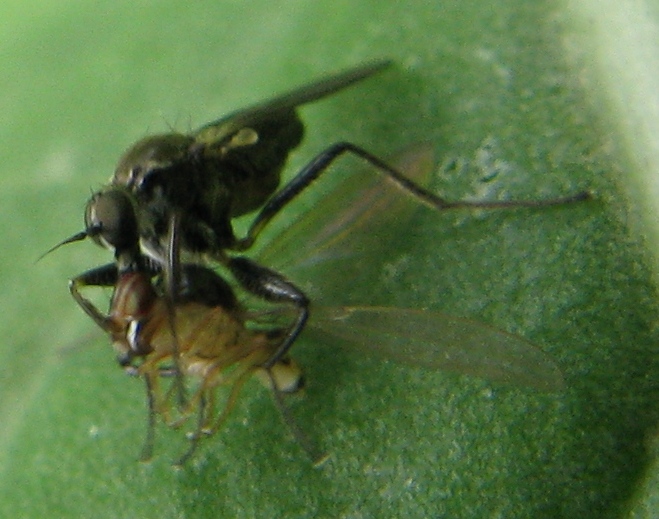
111 221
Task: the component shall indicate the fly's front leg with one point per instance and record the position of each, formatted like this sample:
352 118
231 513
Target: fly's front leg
323 160
105 276
272 287
172 282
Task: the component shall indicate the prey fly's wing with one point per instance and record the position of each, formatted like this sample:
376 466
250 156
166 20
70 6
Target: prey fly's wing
440 341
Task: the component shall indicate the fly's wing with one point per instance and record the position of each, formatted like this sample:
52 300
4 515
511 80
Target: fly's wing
360 214
439 341
284 105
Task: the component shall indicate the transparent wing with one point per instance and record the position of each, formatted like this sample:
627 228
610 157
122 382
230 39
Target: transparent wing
285 103
362 212
439 341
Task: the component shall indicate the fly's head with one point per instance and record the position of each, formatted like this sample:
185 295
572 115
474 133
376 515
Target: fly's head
111 220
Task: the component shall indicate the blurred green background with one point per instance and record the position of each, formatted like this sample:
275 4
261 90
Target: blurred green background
516 99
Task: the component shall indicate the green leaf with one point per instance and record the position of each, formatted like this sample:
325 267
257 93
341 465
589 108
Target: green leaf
506 94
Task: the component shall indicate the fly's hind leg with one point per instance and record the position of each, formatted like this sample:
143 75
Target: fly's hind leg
272 287
317 457
321 163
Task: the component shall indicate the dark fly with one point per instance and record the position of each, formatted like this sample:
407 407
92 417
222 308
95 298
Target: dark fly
210 339
188 189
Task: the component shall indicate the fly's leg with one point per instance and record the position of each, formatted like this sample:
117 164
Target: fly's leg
172 283
147 448
152 390
182 414
105 276
272 287
236 387
317 458
321 163
206 425
195 437
161 398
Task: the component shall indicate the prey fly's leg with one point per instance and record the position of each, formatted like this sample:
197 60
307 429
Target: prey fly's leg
323 160
196 436
147 448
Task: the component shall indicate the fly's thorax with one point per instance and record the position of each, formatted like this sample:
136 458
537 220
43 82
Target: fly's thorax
163 177
203 334
149 156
